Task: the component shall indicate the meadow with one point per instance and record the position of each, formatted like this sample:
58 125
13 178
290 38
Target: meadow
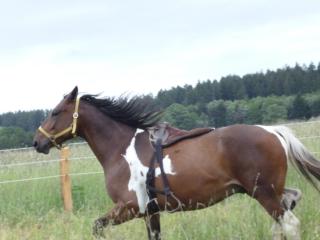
34 209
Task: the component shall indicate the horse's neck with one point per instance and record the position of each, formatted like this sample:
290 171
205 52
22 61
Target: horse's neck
107 138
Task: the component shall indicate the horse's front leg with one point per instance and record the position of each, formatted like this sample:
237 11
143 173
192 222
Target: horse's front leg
119 214
153 226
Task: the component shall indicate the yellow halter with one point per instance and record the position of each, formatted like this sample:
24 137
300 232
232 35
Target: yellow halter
72 128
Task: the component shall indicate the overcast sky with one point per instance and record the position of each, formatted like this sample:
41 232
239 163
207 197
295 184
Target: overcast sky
140 47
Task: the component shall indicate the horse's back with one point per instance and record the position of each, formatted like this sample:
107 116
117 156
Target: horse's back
241 145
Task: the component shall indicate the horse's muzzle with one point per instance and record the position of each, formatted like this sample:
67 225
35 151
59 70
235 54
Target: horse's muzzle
41 148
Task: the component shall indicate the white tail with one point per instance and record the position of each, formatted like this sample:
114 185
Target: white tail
298 155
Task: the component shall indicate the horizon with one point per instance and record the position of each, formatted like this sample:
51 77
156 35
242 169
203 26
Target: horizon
302 65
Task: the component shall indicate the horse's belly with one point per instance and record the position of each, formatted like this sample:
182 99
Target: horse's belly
200 178
195 192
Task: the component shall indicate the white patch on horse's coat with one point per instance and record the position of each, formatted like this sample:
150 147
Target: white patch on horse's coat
167 167
138 173
277 232
271 129
290 225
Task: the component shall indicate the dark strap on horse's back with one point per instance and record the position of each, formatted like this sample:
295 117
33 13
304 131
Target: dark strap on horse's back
150 182
152 206
170 135
159 157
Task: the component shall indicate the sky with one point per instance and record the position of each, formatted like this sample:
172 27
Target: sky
140 47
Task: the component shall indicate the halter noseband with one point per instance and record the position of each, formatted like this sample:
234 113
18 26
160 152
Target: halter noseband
72 128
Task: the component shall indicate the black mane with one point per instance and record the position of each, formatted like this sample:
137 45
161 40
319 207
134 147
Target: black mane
135 112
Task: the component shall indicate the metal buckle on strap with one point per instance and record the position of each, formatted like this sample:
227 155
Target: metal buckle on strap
52 138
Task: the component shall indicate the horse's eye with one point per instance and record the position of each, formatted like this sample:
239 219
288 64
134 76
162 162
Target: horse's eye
55 113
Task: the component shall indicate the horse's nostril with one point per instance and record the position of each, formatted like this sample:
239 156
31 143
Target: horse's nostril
35 144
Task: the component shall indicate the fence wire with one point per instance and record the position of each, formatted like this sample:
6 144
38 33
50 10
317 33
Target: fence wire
26 163
49 177
42 162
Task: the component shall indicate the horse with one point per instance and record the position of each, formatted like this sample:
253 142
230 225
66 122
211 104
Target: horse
201 170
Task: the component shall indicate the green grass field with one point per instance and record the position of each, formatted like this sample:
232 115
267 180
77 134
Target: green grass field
34 209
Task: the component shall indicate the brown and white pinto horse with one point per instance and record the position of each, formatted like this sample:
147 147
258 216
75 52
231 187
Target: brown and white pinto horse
201 171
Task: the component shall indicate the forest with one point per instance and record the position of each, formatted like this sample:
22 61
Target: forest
288 93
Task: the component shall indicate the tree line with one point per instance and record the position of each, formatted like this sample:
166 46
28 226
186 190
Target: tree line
286 81
260 98
17 128
259 110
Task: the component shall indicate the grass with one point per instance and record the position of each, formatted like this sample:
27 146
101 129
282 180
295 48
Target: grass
33 209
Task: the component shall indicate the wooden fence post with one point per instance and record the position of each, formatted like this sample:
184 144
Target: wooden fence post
65 180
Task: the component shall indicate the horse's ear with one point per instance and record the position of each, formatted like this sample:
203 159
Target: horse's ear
73 94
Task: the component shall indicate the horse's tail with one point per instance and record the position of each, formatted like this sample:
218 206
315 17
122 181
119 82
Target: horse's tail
299 156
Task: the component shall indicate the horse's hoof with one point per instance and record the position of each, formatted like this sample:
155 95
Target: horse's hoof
98 227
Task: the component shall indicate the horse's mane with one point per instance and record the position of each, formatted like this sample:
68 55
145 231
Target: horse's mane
135 112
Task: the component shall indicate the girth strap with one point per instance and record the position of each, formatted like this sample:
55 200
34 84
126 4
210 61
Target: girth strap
150 182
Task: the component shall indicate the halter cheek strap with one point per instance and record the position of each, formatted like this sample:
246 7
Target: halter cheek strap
71 129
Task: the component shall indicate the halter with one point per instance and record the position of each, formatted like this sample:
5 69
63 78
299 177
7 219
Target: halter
71 129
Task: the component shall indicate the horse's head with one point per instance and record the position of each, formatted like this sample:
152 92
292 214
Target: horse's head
60 125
